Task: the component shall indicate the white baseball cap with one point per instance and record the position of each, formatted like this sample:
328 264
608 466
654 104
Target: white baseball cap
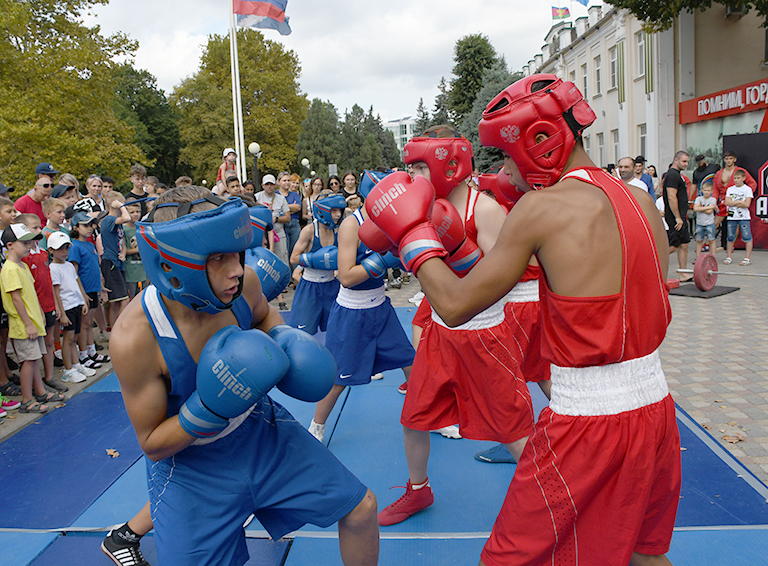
228 151
58 239
268 179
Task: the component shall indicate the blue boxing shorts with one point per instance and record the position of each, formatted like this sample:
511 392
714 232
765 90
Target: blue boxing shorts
269 465
312 304
366 340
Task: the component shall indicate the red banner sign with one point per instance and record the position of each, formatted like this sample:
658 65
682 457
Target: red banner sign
744 98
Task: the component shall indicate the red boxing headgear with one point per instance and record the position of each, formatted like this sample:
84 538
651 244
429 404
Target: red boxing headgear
450 160
539 104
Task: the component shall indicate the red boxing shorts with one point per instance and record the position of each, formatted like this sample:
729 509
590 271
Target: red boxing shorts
423 314
592 490
523 318
469 376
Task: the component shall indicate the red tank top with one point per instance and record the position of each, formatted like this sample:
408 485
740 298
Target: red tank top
593 331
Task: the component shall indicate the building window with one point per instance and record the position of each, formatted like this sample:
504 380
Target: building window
586 144
600 150
640 53
598 76
403 130
615 134
584 80
573 77
614 67
643 136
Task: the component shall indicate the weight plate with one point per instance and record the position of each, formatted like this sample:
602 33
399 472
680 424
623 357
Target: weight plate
702 277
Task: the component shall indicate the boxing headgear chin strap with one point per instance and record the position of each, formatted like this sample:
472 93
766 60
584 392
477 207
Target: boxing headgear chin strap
514 119
321 209
450 160
175 252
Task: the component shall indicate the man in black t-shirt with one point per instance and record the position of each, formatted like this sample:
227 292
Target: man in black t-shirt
703 168
675 194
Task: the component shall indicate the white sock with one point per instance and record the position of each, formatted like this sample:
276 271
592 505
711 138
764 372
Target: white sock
91 350
83 355
421 485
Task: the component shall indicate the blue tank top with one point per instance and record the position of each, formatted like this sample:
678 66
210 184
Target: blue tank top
364 251
316 245
182 369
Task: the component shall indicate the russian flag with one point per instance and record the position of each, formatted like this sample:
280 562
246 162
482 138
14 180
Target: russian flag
263 14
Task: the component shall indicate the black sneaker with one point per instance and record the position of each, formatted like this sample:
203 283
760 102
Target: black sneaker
99 346
282 306
123 553
58 362
55 385
12 365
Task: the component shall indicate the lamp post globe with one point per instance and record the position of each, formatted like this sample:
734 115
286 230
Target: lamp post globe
305 163
255 150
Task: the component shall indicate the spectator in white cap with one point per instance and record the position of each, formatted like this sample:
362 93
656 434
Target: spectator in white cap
228 165
281 215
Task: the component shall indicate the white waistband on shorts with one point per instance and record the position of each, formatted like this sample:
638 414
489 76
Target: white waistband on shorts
523 292
233 424
360 299
318 275
490 317
608 389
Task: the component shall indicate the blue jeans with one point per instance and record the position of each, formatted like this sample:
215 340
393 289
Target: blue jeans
292 231
743 225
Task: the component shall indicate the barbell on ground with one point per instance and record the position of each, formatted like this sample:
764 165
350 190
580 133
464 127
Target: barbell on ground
705 272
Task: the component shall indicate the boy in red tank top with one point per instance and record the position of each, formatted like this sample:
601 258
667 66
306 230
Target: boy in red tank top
599 480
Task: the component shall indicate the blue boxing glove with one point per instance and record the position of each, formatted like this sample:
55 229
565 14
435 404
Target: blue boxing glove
324 258
236 369
272 271
376 265
261 221
313 369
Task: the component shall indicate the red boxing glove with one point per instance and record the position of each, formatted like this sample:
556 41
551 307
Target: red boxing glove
372 236
402 209
463 252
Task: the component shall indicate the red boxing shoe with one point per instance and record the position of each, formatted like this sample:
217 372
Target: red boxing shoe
413 501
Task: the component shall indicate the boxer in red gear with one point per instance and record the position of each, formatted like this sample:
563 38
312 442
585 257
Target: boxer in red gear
599 481
469 375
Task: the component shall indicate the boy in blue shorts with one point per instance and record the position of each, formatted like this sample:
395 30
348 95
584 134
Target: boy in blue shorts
364 334
113 259
315 254
218 449
705 207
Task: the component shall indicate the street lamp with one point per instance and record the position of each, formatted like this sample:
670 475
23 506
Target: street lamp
255 150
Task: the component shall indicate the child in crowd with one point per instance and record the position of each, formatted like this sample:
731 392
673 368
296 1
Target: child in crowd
37 260
107 184
135 276
71 302
705 206
7 385
83 256
113 260
738 197
53 208
138 174
25 317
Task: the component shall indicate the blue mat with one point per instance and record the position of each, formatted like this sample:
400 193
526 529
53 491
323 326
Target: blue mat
85 550
55 468
106 384
20 549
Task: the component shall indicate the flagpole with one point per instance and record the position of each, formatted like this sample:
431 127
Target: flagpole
234 64
239 99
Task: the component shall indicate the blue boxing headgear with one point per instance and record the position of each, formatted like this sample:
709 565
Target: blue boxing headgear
321 209
174 253
369 179
261 221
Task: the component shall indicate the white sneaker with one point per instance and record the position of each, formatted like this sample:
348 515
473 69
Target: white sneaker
317 430
88 372
417 298
449 432
73 376
377 376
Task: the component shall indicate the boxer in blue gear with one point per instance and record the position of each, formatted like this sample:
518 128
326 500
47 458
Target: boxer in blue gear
316 274
203 488
364 334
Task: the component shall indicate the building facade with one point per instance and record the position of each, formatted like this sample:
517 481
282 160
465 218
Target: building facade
402 129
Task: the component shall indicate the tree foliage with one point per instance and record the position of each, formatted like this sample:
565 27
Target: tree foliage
659 16
320 138
144 107
442 113
57 93
273 104
422 118
495 79
473 54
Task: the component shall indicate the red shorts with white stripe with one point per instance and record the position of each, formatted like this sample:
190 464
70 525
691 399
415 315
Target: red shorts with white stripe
591 490
526 327
423 314
469 377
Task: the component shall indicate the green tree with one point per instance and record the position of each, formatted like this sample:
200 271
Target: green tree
422 118
442 113
659 16
473 54
57 93
273 104
143 106
353 137
389 155
320 137
495 79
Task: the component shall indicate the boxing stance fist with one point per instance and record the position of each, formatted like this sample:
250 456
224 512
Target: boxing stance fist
261 221
324 258
402 209
236 368
463 253
376 265
272 271
372 236
312 368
